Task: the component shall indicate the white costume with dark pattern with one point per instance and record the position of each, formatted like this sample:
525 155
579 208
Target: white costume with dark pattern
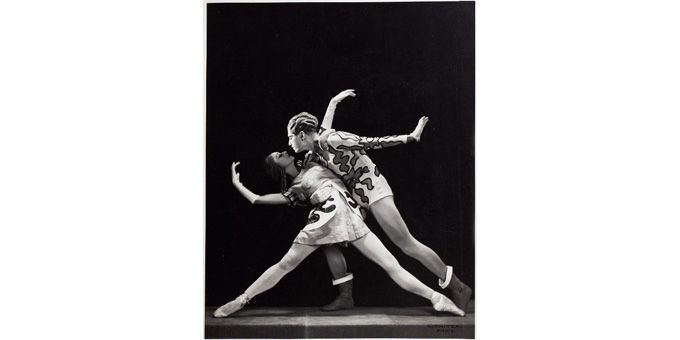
346 156
335 217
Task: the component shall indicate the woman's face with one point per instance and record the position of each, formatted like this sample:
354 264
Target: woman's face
282 159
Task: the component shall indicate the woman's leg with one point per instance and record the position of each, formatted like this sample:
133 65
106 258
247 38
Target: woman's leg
387 215
372 248
273 275
268 279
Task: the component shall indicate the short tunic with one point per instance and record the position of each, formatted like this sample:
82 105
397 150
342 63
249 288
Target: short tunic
346 156
335 216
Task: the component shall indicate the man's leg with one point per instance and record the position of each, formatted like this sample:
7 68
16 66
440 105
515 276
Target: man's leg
373 249
389 218
341 278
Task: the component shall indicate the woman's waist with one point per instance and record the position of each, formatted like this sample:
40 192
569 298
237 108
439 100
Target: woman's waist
324 191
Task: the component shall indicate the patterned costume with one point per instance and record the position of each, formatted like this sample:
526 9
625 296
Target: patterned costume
335 217
346 156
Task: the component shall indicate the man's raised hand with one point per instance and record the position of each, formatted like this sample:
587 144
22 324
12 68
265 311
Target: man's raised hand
419 128
342 95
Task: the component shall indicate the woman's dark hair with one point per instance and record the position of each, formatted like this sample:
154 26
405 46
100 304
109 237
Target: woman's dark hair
276 173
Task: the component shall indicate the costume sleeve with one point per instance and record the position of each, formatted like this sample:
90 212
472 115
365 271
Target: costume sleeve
350 141
295 198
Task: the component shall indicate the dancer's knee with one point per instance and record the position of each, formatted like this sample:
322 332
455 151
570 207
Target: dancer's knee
333 253
288 263
391 266
410 246
404 241
330 249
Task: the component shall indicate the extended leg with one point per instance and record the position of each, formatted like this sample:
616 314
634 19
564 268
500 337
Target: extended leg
341 278
269 278
389 218
372 248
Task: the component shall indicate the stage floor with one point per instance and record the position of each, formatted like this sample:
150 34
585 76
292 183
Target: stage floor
359 322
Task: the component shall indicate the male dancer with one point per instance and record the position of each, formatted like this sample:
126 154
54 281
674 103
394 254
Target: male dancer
347 158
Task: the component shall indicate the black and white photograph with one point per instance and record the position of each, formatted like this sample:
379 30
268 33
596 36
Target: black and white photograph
340 170
249 169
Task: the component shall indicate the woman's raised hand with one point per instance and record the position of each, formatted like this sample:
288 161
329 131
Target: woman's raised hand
342 95
235 176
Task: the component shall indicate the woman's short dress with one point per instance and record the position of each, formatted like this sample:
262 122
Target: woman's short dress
335 216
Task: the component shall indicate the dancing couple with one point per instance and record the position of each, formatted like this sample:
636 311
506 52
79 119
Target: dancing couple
339 180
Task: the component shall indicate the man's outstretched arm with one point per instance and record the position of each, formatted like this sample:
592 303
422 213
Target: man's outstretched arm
349 141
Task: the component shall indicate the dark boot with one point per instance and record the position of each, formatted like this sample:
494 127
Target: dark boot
344 300
460 293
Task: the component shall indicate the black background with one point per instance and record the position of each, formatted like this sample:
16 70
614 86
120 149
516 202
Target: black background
267 62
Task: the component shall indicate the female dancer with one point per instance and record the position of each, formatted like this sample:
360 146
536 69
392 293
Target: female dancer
346 156
335 218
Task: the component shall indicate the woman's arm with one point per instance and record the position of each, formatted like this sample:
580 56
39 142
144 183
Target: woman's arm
330 111
249 195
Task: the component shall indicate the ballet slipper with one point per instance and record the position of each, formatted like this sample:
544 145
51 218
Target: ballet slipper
231 307
443 304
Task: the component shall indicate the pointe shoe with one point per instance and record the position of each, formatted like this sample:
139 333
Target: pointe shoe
231 307
443 304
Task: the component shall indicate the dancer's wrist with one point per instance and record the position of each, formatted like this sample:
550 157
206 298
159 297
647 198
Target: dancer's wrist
411 138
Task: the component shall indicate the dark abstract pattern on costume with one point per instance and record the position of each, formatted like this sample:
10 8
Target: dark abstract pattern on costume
328 207
346 155
335 217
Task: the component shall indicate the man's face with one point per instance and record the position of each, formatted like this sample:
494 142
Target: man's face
295 141
300 142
